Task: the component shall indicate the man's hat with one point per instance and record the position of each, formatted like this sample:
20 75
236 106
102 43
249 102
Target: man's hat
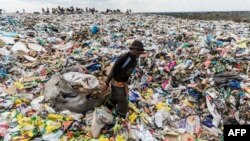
137 45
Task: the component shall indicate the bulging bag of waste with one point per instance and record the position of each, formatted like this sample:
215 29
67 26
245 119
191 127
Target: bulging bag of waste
85 80
70 90
51 88
100 118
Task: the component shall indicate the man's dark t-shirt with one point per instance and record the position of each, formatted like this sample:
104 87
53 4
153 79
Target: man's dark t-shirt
123 68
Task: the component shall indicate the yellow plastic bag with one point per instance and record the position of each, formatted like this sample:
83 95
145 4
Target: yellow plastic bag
119 138
18 101
102 138
132 106
148 94
132 117
19 85
29 133
187 103
21 138
143 117
55 117
52 126
243 43
162 105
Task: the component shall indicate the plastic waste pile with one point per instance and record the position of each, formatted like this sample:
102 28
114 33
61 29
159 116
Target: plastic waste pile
192 80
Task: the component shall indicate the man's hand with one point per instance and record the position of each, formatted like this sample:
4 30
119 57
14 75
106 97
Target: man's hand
104 87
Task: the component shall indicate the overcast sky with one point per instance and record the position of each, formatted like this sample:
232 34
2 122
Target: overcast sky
135 5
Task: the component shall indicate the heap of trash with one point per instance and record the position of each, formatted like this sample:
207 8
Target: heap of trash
193 79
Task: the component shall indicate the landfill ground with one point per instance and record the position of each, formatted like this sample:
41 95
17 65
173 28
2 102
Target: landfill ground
192 79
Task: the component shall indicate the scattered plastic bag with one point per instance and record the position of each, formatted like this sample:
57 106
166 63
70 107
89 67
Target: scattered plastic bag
100 119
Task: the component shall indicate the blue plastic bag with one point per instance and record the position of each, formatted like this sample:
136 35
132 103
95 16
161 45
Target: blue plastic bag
94 67
234 84
219 43
193 93
95 28
3 73
133 97
208 121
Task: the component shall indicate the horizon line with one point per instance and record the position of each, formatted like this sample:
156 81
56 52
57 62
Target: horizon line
156 12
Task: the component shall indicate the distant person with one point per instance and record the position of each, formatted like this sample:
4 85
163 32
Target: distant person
43 10
62 10
66 10
37 13
23 10
127 12
1 11
48 10
81 11
72 9
53 10
58 9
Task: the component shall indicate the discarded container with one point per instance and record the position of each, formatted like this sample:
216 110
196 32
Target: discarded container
9 34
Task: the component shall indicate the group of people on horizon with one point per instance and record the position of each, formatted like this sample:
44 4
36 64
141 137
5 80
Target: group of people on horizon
71 10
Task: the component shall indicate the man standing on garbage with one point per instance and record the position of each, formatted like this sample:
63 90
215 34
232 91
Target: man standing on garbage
119 75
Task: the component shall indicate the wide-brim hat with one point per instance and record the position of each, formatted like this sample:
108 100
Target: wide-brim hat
137 45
